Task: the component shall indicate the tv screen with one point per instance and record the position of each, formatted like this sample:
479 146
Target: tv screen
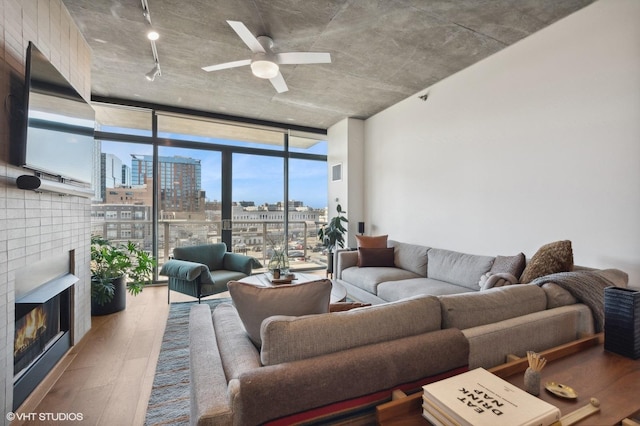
59 136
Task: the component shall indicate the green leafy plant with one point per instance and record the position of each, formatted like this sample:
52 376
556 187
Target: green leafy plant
332 234
110 262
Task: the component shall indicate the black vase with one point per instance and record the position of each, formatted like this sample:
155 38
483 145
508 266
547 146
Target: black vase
117 304
622 321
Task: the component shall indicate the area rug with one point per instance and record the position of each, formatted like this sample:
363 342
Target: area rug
169 401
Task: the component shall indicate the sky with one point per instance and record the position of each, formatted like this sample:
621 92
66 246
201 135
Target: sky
255 178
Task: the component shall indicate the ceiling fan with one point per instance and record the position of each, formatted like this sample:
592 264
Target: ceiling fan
265 63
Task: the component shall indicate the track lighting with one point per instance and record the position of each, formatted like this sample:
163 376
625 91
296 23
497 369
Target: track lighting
151 75
145 11
152 35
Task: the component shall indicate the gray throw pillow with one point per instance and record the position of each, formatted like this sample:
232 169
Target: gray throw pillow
510 265
513 265
255 303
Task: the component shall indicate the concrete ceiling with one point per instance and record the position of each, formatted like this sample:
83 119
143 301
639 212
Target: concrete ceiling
382 50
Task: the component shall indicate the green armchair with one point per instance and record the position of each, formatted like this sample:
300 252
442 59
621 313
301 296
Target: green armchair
203 270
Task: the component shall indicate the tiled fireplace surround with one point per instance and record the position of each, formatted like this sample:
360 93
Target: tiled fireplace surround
38 226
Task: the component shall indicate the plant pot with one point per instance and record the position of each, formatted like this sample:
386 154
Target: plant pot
117 304
330 263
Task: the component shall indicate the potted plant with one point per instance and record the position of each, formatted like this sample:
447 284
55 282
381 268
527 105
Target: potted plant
332 235
114 270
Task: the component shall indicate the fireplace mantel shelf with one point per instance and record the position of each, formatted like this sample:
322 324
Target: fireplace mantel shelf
44 292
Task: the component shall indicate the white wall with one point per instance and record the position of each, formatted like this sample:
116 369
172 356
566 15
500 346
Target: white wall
536 143
347 148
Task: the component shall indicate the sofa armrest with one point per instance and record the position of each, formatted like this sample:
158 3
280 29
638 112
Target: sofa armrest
210 403
184 270
344 259
240 263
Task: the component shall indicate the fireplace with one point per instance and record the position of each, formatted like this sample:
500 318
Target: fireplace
43 330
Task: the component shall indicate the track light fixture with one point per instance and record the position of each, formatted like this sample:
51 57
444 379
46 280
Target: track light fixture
155 71
152 35
145 11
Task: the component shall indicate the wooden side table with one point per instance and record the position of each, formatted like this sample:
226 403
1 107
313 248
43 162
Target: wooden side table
584 365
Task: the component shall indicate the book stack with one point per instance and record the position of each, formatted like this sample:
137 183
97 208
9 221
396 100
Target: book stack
479 398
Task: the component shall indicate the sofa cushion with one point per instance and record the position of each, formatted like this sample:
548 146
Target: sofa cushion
369 278
255 303
472 309
549 259
616 276
396 290
457 268
491 343
411 257
286 338
368 257
237 352
557 296
365 241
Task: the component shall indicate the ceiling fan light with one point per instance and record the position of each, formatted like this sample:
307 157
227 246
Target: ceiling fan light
264 69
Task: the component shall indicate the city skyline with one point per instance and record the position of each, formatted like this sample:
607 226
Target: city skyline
255 178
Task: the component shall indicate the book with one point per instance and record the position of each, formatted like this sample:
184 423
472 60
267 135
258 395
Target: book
480 398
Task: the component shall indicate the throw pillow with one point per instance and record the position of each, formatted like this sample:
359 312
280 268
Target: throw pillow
375 257
255 303
513 265
549 259
379 241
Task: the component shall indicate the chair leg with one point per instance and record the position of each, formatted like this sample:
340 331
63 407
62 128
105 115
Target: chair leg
168 294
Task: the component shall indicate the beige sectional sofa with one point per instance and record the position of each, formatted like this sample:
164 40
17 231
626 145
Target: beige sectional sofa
314 367
509 319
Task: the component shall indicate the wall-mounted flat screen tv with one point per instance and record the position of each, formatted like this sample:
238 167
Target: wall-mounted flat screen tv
58 138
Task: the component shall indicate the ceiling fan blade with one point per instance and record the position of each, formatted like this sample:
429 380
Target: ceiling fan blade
246 36
278 83
227 65
303 58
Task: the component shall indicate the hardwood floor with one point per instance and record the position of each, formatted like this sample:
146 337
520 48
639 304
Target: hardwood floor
108 375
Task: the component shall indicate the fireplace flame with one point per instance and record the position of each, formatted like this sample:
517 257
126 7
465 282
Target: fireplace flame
35 324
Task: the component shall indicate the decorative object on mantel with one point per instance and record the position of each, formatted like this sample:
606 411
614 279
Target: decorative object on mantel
622 321
532 373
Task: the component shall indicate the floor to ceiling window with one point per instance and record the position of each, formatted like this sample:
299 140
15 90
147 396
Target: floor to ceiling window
189 180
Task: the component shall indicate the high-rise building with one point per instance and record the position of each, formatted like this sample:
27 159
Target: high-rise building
110 173
179 181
